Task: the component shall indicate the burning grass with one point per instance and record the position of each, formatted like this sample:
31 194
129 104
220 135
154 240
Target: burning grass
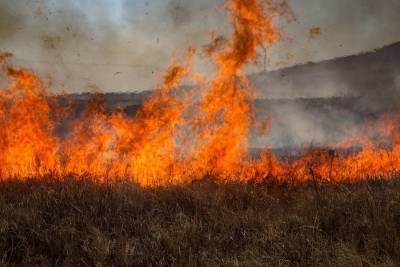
175 137
257 211
80 223
172 138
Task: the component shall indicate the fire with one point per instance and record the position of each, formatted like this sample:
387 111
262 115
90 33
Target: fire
225 112
28 146
174 137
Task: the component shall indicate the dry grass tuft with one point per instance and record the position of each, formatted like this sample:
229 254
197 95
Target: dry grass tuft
79 223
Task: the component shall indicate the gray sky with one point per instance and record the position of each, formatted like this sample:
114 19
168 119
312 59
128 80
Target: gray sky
122 45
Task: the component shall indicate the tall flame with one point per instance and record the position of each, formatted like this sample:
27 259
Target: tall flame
174 137
225 113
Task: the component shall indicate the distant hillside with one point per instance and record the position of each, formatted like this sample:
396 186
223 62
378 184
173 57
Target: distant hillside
315 103
367 75
374 73
311 121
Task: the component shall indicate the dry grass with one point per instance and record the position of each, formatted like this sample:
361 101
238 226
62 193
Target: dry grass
78 223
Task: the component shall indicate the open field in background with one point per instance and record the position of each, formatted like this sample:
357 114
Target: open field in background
80 223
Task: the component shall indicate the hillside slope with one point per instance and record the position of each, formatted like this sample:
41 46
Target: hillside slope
368 74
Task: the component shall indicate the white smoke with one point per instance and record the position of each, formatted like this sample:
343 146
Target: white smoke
124 45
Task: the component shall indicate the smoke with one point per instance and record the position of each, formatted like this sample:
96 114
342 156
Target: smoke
9 22
59 39
344 27
124 45
117 45
180 12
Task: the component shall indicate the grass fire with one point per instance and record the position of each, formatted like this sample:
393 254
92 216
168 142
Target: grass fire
175 179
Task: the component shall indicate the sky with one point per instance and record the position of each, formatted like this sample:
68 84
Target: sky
124 45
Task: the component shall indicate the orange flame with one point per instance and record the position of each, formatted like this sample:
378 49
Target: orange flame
173 138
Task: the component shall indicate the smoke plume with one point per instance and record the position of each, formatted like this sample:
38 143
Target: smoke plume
124 45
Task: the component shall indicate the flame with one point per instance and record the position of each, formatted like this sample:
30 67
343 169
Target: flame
28 146
175 137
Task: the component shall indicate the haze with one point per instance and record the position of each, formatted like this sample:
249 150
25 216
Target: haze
121 45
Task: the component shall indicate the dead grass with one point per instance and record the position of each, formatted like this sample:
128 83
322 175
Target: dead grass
78 223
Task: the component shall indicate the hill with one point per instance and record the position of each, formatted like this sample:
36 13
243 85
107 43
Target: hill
315 103
369 74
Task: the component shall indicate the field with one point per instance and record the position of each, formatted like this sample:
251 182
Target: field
81 223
